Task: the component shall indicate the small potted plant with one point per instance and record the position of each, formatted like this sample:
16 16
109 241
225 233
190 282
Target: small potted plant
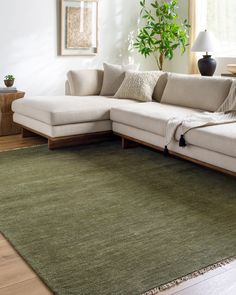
9 80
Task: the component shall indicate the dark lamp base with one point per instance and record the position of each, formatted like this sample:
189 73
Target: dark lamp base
207 65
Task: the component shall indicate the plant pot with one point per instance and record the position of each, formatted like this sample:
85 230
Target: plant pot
9 83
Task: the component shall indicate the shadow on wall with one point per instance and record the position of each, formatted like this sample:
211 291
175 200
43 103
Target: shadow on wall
115 28
118 25
129 33
35 66
31 42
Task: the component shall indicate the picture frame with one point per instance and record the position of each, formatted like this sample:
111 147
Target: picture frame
79 27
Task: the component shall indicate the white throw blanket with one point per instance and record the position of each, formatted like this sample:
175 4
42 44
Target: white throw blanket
224 115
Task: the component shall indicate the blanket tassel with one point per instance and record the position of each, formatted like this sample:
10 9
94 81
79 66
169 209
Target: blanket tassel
182 141
166 151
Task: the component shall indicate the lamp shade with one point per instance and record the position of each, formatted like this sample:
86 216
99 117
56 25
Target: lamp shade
205 42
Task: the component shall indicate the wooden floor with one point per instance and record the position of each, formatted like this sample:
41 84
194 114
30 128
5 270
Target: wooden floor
16 141
17 278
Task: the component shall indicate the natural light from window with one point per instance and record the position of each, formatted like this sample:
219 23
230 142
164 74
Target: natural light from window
218 17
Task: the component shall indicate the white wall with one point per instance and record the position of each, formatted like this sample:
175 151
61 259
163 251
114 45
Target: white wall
29 42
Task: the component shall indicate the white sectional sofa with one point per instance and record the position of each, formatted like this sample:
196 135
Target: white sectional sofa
84 116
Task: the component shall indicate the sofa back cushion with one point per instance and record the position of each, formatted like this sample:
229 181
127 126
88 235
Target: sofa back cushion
204 93
160 87
113 77
85 82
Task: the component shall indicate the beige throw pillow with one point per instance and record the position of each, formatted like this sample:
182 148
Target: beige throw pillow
138 85
85 82
113 77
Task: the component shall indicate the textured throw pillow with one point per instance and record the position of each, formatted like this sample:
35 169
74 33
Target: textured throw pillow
113 77
138 85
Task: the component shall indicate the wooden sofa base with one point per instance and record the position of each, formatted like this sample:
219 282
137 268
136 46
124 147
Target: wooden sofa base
66 141
128 142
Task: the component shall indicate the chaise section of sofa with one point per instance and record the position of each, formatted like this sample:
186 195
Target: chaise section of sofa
70 120
67 120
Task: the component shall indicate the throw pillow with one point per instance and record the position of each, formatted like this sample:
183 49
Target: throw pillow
113 77
138 85
85 82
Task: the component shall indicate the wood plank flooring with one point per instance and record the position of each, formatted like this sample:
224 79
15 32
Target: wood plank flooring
16 141
17 278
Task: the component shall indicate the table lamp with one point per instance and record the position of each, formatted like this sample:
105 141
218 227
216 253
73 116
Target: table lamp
205 42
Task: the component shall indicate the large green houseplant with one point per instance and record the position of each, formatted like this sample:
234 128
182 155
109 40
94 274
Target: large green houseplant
162 32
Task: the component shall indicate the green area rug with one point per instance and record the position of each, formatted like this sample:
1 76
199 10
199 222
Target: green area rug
105 221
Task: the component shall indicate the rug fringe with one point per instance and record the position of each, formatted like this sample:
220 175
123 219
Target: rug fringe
190 276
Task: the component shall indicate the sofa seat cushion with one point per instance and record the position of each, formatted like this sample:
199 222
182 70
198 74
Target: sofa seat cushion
62 130
150 116
219 138
61 110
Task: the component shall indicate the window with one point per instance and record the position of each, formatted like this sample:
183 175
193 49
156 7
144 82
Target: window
218 17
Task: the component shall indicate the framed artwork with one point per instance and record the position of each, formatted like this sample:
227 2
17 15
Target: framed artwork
79 27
